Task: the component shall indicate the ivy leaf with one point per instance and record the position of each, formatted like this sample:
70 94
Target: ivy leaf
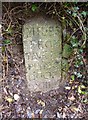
74 42
72 77
74 14
3 48
66 4
68 11
78 63
76 8
80 50
84 13
34 7
9 31
67 50
65 65
79 75
7 41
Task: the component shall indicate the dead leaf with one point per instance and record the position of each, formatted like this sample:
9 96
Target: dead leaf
40 113
16 97
71 81
5 91
74 109
72 98
64 115
33 115
67 87
41 102
9 99
5 59
3 107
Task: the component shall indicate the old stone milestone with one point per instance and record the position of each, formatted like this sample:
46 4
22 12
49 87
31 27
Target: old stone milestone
42 53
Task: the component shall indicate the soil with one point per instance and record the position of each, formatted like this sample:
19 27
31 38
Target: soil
16 101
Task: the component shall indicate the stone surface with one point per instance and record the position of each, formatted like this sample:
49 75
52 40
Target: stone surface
0 50
42 53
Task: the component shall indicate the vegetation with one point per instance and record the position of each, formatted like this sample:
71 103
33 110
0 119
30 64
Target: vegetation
73 18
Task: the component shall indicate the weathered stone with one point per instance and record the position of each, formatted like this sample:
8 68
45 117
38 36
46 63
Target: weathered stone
42 52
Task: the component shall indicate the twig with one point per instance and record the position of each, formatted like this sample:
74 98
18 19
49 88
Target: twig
57 13
81 26
72 34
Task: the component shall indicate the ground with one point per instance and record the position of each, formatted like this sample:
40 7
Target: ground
17 102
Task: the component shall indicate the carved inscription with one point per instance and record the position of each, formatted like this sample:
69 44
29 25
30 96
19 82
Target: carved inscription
42 52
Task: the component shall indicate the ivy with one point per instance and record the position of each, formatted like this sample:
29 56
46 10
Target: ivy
84 13
6 42
72 77
67 51
76 17
81 89
34 7
74 42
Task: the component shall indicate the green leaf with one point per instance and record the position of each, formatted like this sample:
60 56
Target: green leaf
7 41
74 42
66 4
9 31
67 50
76 8
34 7
84 13
74 14
72 77
65 65
69 11
79 75
3 48
84 92
80 50
78 63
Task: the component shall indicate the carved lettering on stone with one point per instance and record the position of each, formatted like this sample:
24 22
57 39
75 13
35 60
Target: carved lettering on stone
42 52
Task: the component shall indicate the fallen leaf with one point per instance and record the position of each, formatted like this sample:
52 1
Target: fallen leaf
16 97
71 81
5 91
9 99
64 115
41 102
74 109
67 87
33 115
80 87
40 113
3 107
5 59
58 115
37 111
73 87
72 98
